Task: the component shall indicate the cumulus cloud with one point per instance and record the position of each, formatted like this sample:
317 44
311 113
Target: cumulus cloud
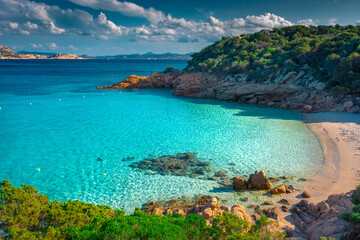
13 25
30 25
332 21
26 17
180 29
307 22
358 22
54 29
110 27
126 8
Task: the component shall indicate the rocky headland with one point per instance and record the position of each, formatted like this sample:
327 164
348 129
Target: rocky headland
281 88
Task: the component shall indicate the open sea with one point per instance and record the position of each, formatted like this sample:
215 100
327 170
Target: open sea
54 119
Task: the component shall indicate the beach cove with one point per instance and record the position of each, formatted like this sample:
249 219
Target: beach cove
38 120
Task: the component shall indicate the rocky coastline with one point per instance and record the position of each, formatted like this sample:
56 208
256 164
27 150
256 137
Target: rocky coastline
280 87
302 220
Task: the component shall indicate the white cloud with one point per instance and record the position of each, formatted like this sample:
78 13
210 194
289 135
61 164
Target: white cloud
54 29
27 17
268 20
73 48
179 29
24 32
332 21
111 27
30 25
52 45
307 22
34 45
358 22
13 25
126 8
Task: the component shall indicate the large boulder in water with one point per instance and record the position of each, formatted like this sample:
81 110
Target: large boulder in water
239 183
258 181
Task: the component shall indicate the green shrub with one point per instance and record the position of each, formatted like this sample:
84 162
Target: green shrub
30 215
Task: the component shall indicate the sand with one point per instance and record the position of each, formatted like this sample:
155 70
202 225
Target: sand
339 134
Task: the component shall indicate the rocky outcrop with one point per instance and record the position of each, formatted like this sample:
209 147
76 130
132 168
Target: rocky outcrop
279 87
156 80
322 219
206 206
256 181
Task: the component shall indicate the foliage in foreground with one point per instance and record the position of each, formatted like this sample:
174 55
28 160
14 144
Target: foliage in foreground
354 216
30 215
332 51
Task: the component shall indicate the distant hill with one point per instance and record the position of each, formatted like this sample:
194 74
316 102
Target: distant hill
38 53
150 55
7 53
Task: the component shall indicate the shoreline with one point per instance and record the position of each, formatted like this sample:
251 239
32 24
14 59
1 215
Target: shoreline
339 135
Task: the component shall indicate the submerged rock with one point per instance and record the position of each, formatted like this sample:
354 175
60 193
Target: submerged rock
181 164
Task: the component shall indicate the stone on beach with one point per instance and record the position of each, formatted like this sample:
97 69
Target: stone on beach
278 190
306 194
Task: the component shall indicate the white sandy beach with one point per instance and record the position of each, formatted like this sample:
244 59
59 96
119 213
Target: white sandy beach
339 134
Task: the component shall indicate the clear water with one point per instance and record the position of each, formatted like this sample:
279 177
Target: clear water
69 124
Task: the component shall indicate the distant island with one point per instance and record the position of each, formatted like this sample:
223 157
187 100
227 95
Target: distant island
150 55
7 53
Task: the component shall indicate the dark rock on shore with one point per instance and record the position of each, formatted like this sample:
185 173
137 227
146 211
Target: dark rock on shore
278 190
306 194
323 219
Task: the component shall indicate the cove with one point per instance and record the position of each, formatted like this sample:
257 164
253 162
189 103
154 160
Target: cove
68 126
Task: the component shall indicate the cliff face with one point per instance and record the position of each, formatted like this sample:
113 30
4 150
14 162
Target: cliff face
295 90
6 53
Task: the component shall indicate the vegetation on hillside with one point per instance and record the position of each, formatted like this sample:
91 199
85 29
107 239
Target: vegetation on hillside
332 51
354 216
27 214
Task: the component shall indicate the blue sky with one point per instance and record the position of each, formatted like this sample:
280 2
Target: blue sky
109 27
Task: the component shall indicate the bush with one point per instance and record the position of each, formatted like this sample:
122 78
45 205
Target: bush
354 216
30 215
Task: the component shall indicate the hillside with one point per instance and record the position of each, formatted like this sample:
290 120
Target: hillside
7 53
310 69
331 51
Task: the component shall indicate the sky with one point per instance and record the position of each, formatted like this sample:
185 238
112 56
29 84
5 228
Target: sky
110 27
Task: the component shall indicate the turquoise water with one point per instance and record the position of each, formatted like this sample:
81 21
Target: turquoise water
53 118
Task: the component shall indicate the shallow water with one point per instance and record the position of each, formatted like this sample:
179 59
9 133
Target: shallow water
69 124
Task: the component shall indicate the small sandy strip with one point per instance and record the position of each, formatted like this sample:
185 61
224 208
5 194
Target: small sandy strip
339 134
